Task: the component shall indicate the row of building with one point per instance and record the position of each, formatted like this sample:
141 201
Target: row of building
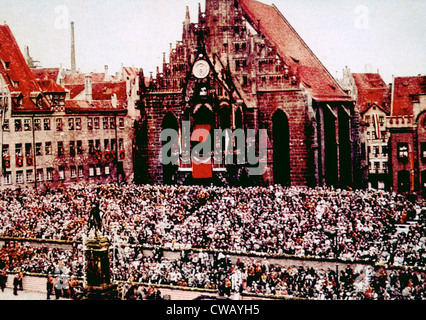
392 129
241 66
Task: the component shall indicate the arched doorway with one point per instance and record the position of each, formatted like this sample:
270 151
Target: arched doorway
169 169
281 148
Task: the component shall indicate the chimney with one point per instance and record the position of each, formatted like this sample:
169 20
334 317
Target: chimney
88 87
73 64
106 78
114 100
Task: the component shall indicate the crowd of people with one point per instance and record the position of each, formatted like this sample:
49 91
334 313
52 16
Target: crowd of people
140 273
319 222
323 223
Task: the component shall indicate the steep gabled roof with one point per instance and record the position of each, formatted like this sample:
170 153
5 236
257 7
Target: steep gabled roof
407 89
372 89
290 46
16 72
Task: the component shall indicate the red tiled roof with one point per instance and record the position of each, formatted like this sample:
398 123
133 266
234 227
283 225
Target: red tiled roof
131 72
17 75
46 74
405 88
79 78
100 90
93 106
75 90
50 86
294 51
105 90
372 89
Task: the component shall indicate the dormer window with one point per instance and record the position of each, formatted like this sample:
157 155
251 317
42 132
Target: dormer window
7 65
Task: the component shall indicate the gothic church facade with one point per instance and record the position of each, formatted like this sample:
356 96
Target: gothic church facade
244 68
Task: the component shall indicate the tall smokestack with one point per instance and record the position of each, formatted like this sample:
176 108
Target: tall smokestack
73 65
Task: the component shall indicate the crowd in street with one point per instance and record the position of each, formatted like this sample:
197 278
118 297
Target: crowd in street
139 273
319 222
270 221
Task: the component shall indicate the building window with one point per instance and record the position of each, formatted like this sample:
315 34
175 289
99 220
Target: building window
98 170
77 123
7 178
97 145
18 150
367 119
73 171
376 151
105 122
48 148
61 173
91 147
49 174
107 170
39 175
71 124
385 149
6 125
90 123
60 148
402 151
18 125
39 151
59 124
377 166
112 122
121 122
91 171
19 177
106 145
37 124
121 144
30 176
72 148
46 124
28 149
79 147
80 172
96 122
27 125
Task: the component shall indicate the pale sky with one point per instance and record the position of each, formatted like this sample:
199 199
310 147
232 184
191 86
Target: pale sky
388 35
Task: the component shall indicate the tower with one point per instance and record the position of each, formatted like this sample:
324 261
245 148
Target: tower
73 64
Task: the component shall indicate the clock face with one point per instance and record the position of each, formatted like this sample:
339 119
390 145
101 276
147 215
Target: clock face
201 69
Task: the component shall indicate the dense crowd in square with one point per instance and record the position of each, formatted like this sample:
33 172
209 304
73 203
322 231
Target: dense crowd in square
320 223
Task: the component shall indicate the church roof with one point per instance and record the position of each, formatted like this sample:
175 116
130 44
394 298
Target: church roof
291 47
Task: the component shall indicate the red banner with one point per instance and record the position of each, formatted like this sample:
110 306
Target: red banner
201 169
